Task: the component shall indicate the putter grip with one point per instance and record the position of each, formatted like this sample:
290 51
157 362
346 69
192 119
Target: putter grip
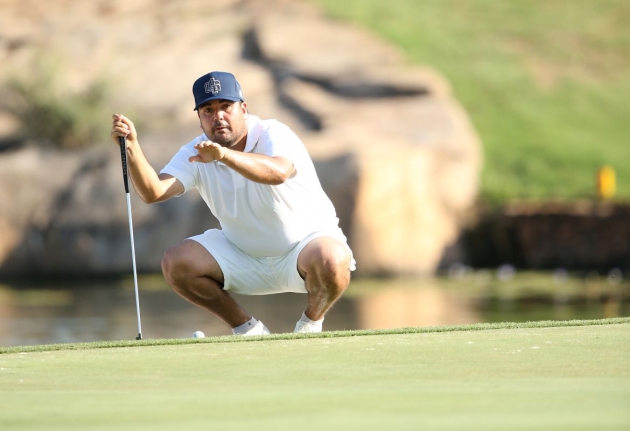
123 157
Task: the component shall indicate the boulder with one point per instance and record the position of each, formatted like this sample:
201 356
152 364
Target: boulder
393 148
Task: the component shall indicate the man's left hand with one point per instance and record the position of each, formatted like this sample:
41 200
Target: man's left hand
207 152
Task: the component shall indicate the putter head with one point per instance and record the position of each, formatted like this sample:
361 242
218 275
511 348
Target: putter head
139 337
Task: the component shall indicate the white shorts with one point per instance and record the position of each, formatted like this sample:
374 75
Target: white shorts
248 275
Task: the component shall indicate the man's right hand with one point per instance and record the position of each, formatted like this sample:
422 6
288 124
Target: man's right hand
150 186
123 126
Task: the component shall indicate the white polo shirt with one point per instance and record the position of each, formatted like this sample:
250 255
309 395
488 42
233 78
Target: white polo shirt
262 220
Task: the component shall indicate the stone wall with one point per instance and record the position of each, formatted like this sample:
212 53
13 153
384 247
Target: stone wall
578 236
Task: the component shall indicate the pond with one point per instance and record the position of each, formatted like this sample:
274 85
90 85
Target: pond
95 310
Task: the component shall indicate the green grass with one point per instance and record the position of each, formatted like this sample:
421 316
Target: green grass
543 376
546 83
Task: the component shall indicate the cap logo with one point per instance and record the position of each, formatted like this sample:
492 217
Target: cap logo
213 86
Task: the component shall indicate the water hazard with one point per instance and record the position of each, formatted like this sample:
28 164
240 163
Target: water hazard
96 310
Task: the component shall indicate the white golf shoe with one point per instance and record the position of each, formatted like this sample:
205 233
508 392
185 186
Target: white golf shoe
305 327
258 329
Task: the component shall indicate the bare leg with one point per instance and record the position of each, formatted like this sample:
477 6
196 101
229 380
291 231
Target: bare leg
325 266
195 275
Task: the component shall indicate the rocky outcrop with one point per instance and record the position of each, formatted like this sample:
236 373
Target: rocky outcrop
394 150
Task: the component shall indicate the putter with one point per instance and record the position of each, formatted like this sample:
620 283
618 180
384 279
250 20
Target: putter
123 155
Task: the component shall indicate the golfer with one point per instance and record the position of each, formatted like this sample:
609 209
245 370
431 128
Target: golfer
279 231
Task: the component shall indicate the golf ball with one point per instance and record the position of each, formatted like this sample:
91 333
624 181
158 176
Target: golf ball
198 334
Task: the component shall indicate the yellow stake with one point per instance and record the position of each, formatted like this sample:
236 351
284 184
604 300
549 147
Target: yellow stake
606 182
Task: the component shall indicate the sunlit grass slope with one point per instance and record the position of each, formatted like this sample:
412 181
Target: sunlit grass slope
547 83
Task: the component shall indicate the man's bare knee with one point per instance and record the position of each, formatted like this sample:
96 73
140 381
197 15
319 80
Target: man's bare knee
336 258
188 260
328 261
173 267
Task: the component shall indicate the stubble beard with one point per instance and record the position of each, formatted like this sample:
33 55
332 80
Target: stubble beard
227 141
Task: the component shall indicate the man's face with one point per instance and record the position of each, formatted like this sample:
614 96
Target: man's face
224 121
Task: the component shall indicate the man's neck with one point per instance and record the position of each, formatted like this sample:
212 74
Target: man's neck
240 144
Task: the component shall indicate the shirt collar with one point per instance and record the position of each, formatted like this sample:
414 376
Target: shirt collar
253 132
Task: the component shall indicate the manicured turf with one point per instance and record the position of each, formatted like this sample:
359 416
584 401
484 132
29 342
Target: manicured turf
510 377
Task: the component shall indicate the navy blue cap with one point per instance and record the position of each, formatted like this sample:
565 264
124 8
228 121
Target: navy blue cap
216 85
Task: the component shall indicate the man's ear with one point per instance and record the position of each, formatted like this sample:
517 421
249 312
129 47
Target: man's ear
244 107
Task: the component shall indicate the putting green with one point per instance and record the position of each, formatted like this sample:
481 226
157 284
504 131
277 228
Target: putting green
543 378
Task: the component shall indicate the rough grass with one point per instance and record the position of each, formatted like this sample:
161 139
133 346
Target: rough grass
546 83
571 375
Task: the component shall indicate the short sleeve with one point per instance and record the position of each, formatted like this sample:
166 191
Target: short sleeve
181 168
280 141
